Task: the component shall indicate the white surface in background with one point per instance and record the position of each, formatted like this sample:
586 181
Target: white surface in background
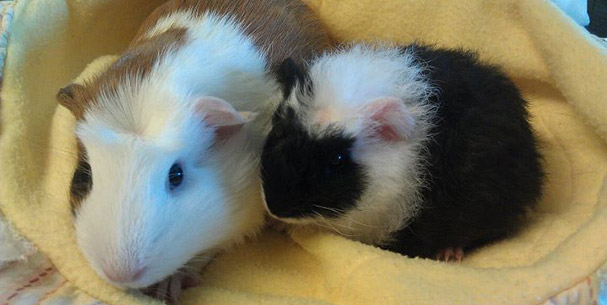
576 9
6 16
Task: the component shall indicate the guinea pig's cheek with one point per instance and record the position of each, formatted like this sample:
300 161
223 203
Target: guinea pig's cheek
272 211
286 211
277 211
90 255
268 198
299 220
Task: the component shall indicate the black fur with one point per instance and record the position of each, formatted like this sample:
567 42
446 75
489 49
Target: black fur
484 167
82 182
300 174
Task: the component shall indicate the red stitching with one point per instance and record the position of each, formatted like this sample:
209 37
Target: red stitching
46 295
28 285
8 266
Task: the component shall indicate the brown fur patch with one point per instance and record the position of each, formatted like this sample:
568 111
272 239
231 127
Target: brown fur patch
134 64
280 28
71 97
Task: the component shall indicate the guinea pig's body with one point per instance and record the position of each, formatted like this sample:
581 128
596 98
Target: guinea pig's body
415 150
168 140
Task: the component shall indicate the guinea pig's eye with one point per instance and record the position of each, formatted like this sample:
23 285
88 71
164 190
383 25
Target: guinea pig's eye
337 160
175 176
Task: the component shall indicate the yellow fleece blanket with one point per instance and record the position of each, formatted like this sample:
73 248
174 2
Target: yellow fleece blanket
561 70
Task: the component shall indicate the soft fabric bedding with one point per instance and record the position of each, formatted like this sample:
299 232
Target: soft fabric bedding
559 257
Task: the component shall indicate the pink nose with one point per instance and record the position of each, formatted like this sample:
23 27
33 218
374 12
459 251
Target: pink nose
123 275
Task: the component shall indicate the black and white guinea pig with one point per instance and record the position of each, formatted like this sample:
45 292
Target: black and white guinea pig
421 151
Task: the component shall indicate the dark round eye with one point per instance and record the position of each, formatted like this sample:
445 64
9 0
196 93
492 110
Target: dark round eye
175 175
337 160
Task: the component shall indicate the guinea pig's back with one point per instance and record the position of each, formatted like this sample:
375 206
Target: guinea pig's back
280 28
483 166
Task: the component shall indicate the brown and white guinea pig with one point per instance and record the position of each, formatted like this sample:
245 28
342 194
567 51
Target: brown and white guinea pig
168 144
421 151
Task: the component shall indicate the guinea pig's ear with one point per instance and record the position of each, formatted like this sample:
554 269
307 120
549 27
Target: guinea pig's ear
69 97
220 115
388 119
288 74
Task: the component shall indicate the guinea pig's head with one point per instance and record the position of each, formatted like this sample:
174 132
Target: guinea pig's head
336 140
158 182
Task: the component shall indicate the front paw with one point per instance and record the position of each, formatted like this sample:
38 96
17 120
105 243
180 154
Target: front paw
170 289
451 254
277 225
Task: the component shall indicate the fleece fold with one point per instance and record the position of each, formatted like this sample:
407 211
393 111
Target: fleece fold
560 68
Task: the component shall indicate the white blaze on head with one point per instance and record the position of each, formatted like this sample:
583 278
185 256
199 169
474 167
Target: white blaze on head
134 228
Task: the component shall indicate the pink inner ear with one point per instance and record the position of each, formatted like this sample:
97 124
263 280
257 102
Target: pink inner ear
391 120
221 115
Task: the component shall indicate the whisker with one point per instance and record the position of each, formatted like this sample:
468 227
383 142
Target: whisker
344 215
328 225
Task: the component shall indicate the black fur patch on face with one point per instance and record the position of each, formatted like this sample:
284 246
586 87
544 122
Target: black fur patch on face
304 176
82 182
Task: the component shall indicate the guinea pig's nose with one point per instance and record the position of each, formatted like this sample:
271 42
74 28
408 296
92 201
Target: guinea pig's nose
123 275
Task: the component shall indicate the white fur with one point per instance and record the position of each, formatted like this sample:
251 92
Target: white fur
130 218
344 83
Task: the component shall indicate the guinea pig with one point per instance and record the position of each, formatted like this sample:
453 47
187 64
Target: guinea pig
422 151
169 136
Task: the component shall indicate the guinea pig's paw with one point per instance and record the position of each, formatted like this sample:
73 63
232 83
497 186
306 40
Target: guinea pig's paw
170 289
451 254
278 225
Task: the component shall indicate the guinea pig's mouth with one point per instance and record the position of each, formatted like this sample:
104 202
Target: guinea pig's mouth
296 215
294 220
293 215
127 280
